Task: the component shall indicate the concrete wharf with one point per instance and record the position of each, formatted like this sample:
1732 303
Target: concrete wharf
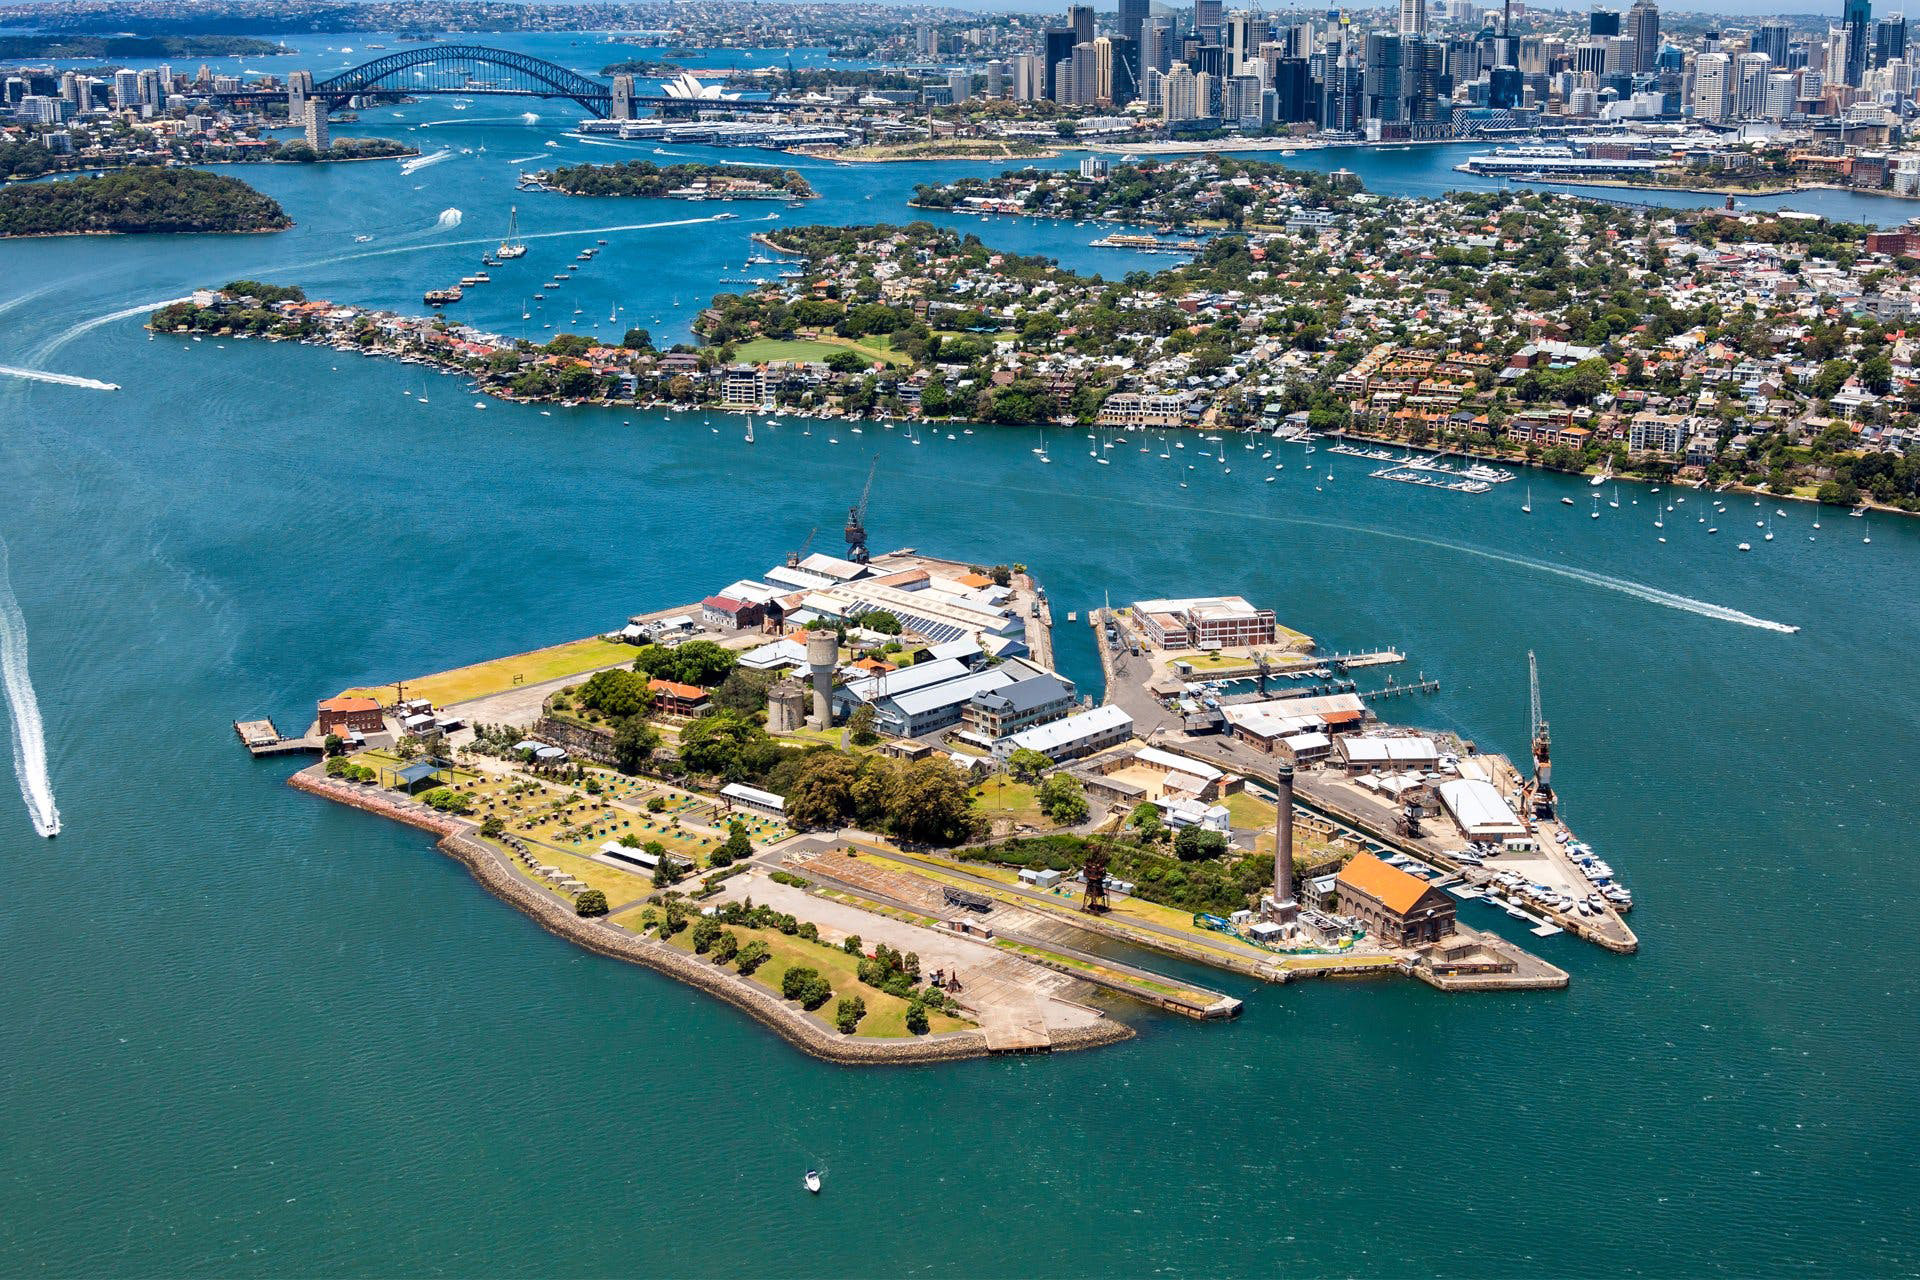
261 738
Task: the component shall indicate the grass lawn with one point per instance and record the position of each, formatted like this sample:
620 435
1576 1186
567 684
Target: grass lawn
872 348
577 657
886 1015
1000 796
1249 813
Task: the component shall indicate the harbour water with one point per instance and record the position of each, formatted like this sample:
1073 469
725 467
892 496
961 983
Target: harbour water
245 1032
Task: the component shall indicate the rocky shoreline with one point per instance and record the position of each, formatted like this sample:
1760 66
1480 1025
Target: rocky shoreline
802 1030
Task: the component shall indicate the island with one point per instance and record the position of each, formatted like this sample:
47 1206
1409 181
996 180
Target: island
1225 193
136 200
853 797
688 181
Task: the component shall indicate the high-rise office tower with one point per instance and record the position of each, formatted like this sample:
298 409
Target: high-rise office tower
1056 47
1292 89
1386 81
1603 22
1206 20
1245 32
1890 39
1156 52
1133 18
1080 21
1177 94
1643 24
1771 38
1857 18
1413 17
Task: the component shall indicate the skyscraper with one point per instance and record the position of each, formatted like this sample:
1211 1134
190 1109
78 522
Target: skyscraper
1710 73
1245 32
1858 20
1206 20
1643 24
1890 39
1080 20
1057 47
1770 38
1177 94
1413 17
1133 18
1603 22
1155 51
1386 81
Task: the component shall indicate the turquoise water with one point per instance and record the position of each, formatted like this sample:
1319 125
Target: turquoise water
246 1032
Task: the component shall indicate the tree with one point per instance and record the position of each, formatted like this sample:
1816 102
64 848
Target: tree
752 956
881 621
851 945
591 903
637 340
821 797
618 693
493 827
847 1014
1197 844
736 848
704 935
1145 820
931 803
1027 765
726 947
335 744
917 1018
860 726
1062 799
668 872
634 743
805 984
713 743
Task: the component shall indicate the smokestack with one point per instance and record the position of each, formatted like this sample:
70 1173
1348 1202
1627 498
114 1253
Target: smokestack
1281 906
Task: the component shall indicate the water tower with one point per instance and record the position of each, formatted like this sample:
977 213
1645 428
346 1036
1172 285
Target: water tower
786 706
823 655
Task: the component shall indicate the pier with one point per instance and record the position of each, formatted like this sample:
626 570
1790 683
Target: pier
261 738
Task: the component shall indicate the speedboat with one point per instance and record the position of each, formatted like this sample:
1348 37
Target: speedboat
812 1181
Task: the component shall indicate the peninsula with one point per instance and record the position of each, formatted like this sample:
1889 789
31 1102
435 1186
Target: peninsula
145 199
860 780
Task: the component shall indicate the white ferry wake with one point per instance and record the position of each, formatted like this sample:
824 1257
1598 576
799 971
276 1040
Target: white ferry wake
449 219
62 379
411 166
23 712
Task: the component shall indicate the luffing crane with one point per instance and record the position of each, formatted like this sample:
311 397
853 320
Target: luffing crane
795 557
1540 789
857 519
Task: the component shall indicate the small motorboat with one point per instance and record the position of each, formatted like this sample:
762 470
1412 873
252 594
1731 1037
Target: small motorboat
812 1181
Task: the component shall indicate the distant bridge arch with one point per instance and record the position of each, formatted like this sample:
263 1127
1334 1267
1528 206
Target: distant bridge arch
467 69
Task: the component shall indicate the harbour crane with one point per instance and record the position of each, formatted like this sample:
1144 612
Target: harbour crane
857 519
1538 792
795 557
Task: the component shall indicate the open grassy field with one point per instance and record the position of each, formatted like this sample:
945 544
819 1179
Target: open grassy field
575 658
886 1015
813 349
1002 797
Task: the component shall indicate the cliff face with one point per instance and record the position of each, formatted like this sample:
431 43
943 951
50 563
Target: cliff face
579 741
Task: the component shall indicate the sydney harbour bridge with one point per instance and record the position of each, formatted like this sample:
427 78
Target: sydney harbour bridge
466 70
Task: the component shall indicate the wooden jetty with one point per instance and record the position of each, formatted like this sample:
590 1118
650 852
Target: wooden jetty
261 738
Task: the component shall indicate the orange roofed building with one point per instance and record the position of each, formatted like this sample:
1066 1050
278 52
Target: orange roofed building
337 715
1399 909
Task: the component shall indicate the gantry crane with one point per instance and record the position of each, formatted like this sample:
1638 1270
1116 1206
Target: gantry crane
1538 792
857 519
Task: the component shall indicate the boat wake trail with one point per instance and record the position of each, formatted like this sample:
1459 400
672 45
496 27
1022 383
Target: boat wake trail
23 711
417 163
449 219
538 155
62 379
1638 590
67 335
529 117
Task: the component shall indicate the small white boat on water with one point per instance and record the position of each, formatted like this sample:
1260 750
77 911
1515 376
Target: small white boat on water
812 1181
